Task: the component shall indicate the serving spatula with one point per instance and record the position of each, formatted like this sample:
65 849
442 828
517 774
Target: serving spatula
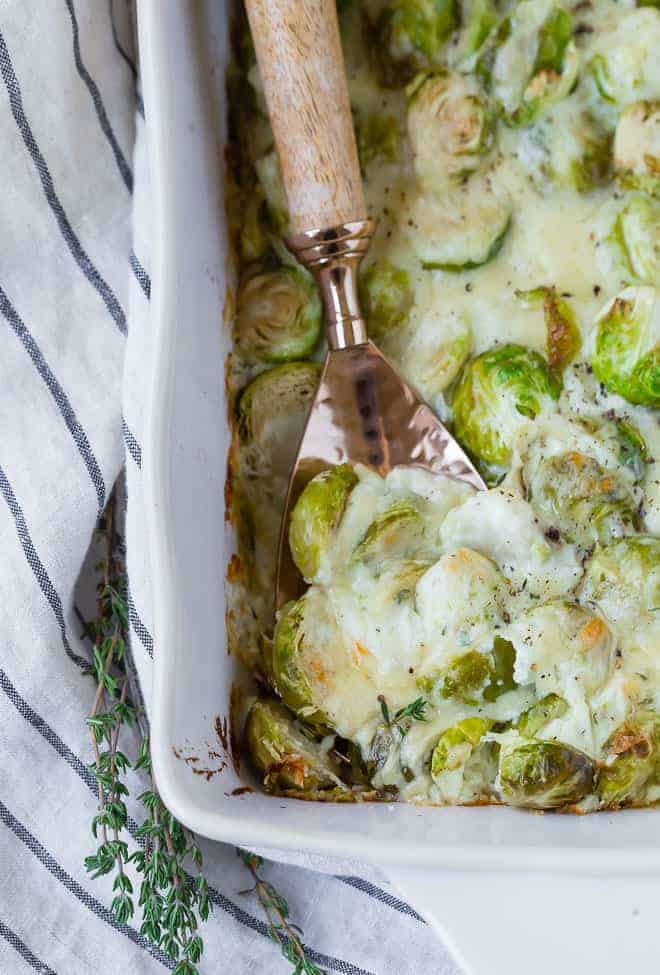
363 412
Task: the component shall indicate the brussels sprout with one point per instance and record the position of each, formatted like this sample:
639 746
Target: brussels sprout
316 515
625 66
278 316
285 756
408 36
474 676
540 714
270 179
563 339
272 411
386 298
496 392
503 659
450 126
636 235
392 534
626 356
459 231
478 17
634 759
377 137
637 147
633 452
456 745
580 149
253 235
586 502
534 60
543 774
436 353
292 641
623 578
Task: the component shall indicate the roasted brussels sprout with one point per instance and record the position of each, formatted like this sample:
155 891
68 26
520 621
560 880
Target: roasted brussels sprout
637 147
272 411
474 677
316 515
531 60
392 534
543 774
503 659
636 235
407 36
286 757
633 760
623 579
455 745
540 714
270 180
626 356
293 651
580 149
563 339
625 66
386 297
497 391
278 316
585 502
436 353
377 137
450 126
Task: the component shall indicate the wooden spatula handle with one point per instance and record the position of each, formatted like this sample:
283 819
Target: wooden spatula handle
302 69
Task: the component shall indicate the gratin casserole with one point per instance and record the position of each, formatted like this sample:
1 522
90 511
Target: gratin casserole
454 646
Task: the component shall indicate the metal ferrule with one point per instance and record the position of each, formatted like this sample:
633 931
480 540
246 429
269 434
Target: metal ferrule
333 256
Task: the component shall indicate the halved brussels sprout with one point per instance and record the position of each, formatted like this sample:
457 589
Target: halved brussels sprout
625 66
386 297
496 393
293 647
579 497
503 659
633 452
534 60
580 149
285 756
636 235
270 179
459 231
316 515
392 534
543 774
634 760
474 677
272 411
278 316
407 36
637 147
436 353
563 340
377 137
540 714
623 579
626 356
456 745
450 126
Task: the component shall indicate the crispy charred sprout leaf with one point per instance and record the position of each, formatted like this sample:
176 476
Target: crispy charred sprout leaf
540 714
637 147
633 760
450 126
386 297
278 316
316 515
543 774
406 36
285 756
636 234
563 339
587 502
497 391
626 355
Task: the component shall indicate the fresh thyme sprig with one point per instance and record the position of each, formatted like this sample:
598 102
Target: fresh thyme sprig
403 718
281 929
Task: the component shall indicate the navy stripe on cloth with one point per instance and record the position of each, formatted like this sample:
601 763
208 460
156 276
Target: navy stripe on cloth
93 89
219 899
58 394
37 565
72 885
145 636
123 53
381 895
132 446
141 276
24 951
79 254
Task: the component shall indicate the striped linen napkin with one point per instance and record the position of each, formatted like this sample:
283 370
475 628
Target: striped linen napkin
74 303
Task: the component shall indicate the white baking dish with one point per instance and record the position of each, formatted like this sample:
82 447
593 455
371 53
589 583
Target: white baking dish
184 50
